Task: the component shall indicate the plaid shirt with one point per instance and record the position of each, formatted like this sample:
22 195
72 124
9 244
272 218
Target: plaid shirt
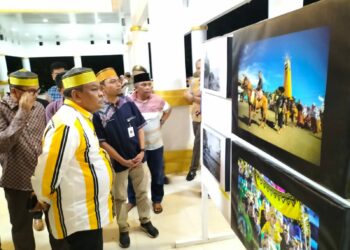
54 93
20 143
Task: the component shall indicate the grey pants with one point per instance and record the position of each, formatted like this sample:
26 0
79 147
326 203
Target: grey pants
196 146
21 220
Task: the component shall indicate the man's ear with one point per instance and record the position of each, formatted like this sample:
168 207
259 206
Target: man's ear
76 96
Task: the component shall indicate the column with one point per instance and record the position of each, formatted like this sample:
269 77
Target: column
169 77
198 37
26 63
77 62
138 47
4 87
3 68
167 33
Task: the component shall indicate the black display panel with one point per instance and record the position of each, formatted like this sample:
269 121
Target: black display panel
41 66
100 62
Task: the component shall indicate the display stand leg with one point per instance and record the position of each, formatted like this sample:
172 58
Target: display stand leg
204 238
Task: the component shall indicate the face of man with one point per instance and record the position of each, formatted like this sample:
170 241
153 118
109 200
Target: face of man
18 91
144 89
112 86
56 71
90 98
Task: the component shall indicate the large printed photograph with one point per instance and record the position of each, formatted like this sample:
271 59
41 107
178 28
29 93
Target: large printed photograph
269 217
272 208
282 88
290 91
216 156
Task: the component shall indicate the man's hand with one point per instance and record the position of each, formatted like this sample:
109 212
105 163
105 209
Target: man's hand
40 206
129 164
138 159
27 101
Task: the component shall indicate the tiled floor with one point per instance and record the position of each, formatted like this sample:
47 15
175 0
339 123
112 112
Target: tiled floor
180 220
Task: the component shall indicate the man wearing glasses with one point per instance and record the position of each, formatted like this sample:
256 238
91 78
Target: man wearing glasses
22 122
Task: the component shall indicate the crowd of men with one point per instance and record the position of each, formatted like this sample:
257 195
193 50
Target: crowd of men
83 156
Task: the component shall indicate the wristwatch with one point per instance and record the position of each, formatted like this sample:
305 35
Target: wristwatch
142 150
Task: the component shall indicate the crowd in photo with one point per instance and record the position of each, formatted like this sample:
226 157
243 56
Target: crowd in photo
288 111
269 217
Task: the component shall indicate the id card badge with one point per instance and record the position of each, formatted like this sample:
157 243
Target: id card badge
131 132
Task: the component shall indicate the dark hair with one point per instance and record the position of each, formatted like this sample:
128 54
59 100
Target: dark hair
57 65
127 74
68 92
58 80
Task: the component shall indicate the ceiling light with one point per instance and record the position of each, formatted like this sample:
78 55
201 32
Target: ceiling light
45 20
14 29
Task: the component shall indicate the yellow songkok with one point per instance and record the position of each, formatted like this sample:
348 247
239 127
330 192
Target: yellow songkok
24 78
106 73
78 76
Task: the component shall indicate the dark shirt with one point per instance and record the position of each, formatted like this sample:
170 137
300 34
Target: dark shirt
112 123
43 102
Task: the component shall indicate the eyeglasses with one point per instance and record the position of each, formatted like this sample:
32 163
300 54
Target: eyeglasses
32 91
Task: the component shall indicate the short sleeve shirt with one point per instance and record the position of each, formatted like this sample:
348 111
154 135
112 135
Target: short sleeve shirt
113 124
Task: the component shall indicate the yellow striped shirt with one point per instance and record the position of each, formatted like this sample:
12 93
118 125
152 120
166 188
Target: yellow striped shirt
73 174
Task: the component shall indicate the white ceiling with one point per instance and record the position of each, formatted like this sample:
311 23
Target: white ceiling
22 27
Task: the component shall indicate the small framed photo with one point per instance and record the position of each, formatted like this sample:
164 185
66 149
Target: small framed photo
216 155
216 67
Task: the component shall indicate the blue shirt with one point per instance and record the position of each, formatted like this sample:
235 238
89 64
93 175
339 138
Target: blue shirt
54 93
112 123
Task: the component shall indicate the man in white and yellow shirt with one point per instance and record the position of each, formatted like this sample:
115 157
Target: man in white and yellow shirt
73 177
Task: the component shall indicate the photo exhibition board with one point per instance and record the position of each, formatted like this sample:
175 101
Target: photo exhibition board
272 210
290 91
216 152
216 66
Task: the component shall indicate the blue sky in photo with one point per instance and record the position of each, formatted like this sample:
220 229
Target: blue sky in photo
308 51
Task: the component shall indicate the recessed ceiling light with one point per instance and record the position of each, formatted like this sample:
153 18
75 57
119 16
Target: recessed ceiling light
14 29
26 34
45 20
